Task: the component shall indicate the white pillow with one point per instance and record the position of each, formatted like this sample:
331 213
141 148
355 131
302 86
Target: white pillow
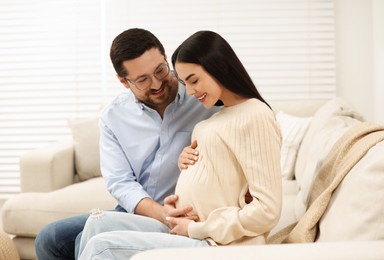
334 107
322 143
293 129
85 133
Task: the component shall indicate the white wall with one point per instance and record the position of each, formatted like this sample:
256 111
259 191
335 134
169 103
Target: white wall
378 44
360 58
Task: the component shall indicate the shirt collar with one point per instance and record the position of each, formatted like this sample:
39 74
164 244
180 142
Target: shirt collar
180 94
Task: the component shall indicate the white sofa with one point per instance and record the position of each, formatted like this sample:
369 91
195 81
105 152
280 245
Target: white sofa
61 181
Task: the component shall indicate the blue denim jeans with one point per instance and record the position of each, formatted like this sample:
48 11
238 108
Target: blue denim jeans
113 235
60 240
57 240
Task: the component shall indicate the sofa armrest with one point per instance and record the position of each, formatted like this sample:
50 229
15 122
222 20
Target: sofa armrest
328 250
48 168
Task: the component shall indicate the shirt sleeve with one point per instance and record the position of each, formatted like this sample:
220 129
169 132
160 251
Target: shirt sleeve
259 157
117 171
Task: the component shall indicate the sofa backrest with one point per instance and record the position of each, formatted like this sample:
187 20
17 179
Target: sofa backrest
300 108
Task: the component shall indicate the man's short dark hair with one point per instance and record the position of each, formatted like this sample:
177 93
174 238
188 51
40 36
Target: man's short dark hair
131 44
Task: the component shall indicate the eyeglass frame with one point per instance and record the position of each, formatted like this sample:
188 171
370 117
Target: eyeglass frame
150 77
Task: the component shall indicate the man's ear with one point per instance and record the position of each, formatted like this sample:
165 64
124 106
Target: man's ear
123 81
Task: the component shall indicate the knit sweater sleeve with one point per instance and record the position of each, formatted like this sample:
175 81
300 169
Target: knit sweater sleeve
255 141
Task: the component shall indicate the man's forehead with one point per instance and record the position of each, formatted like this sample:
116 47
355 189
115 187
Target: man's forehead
145 64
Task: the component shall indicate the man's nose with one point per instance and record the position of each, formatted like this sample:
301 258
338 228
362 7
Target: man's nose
156 83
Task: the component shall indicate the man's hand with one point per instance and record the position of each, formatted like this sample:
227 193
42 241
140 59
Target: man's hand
170 210
150 208
188 156
180 225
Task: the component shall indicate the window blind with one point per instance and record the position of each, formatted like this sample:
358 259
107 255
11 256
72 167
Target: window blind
288 46
49 72
55 64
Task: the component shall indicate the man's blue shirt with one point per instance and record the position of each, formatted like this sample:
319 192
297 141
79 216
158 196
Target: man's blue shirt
139 150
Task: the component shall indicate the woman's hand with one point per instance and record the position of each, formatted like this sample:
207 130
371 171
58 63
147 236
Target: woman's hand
188 156
180 225
170 210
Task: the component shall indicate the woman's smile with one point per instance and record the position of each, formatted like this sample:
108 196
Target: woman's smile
202 97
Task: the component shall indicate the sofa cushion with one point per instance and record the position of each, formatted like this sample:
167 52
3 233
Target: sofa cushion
321 145
287 216
334 107
46 207
356 209
293 129
85 133
25 246
290 187
334 251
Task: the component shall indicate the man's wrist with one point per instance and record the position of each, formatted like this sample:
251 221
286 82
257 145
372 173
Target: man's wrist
150 208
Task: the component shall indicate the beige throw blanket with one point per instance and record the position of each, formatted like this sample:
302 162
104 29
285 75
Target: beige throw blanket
346 152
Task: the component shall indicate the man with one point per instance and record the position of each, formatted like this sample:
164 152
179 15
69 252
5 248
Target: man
142 133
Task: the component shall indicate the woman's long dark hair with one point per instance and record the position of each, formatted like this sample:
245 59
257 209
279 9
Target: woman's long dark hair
216 56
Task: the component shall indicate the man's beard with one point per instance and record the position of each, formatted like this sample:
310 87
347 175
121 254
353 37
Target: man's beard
153 102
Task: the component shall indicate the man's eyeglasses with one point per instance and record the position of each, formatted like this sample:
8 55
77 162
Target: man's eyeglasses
145 82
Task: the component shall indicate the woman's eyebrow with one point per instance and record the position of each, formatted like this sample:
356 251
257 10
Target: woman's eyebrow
190 75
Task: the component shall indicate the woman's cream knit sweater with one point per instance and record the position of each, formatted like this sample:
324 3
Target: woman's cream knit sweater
239 150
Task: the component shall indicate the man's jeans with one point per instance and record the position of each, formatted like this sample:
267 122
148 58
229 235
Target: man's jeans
113 235
60 240
57 240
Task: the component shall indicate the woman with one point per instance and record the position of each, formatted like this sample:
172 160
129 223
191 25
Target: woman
239 152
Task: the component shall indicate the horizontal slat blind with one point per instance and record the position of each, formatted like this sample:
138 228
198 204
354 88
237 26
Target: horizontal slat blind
288 46
54 57
49 72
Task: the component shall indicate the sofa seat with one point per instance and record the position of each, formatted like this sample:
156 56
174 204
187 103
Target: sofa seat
315 251
288 215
